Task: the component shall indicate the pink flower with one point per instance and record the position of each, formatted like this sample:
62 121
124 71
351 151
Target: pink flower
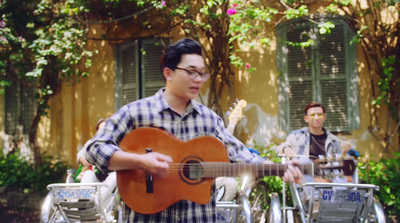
231 11
234 5
163 3
248 66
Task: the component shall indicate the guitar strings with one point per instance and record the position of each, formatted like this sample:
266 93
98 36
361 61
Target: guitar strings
222 165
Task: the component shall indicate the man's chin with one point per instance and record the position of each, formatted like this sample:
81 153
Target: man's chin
317 126
193 96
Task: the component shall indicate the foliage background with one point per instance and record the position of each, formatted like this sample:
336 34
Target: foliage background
18 173
385 174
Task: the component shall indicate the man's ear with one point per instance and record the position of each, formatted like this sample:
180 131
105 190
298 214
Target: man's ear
167 74
306 118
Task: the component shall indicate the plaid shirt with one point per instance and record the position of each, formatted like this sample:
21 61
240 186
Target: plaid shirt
197 120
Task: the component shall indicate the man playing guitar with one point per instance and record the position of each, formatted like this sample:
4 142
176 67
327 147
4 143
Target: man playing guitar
173 110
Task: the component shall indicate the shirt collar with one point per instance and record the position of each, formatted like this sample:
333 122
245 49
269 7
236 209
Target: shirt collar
161 102
163 105
195 106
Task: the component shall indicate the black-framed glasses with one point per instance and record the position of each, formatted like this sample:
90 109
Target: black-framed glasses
192 74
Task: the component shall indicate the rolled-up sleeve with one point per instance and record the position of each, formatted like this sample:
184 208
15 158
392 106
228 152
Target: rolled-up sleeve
99 154
297 140
105 143
287 143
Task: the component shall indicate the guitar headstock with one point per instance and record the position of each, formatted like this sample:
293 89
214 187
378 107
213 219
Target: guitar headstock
326 167
236 113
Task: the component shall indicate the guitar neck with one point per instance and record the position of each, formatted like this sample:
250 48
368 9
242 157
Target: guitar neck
217 169
231 127
236 115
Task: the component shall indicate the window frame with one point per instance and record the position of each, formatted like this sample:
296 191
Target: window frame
351 74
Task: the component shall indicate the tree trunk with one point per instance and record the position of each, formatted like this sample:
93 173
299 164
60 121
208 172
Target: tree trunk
33 135
49 79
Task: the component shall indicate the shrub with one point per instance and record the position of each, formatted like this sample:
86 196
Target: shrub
19 173
385 174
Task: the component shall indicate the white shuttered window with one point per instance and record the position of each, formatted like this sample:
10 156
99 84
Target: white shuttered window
324 72
138 72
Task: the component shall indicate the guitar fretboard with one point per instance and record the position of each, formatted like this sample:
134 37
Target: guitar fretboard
216 169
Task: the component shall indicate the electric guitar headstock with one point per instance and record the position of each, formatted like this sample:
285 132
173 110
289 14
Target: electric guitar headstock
236 114
326 167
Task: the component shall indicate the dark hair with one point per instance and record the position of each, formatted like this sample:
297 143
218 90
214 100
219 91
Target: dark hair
313 105
101 120
173 54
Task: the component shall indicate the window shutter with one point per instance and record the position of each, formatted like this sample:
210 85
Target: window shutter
28 107
126 79
129 75
333 78
138 72
152 77
12 110
300 76
20 108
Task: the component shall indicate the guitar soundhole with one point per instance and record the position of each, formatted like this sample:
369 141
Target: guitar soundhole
192 171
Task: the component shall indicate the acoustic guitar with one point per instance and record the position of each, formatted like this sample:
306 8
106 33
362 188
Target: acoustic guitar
196 163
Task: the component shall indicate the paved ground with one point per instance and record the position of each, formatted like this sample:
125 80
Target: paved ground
8 215
17 208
